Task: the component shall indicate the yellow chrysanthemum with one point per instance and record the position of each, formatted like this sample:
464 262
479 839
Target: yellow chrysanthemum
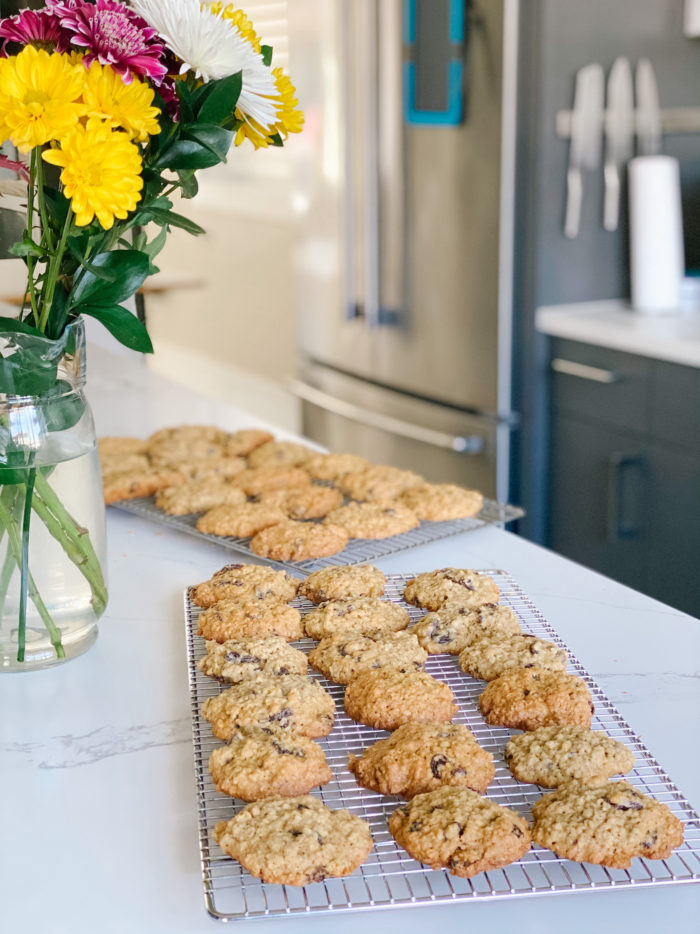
4 128
39 97
120 105
101 172
289 118
239 20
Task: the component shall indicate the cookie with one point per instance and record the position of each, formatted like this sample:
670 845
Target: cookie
420 757
185 434
378 483
133 484
212 468
259 763
457 829
384 699
238 660
295 841
239 521
197 497
119 463
359 614
453 627
373 520
177 450
608 824
259 480
286 702
528 698
241 443
440 502
343 583
342 656
334 466
299 541
310 502
280 454
233 619
244 582
488 657
553 755
458 585
113 446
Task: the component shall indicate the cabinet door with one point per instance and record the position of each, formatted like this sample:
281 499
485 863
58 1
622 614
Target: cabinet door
598 513
674 529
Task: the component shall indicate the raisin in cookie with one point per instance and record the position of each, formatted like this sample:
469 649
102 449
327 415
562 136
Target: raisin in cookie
359 614
343 583
241 443
197 497
310 502
373 520
439 502
342 656
378 483
240 521
240 659
527 698
457 829
287 702
458 585
295 841
334 466
234 619
488 657
244 582
299 541
386 698
259 763
608 824
280 454
420 757
553 755
453 627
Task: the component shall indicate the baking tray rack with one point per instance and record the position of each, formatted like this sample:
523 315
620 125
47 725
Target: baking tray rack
390 878
357 550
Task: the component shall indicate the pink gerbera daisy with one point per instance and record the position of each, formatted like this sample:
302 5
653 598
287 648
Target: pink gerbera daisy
113 34
41 28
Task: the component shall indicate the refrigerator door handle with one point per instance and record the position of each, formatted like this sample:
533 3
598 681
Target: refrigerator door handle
370 77
470 444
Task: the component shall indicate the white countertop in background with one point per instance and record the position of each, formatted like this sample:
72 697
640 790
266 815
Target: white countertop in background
97 794
672 337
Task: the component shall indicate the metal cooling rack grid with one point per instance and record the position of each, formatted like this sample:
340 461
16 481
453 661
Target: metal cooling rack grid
357 550
389 877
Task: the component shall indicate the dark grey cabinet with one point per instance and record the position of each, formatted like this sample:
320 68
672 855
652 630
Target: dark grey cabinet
624 469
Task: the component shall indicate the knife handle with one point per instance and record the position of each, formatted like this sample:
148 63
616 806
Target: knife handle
574 197
611 203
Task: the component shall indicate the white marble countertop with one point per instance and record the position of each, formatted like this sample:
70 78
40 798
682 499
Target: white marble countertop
673 337
99 822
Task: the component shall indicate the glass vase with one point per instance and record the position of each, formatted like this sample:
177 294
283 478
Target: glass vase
52 515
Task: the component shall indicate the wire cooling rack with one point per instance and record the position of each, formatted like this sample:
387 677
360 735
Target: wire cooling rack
356 551
390 878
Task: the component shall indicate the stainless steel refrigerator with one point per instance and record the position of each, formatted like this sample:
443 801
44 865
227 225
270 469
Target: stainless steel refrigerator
404 189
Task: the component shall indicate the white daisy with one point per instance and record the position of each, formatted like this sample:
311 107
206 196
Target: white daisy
212 48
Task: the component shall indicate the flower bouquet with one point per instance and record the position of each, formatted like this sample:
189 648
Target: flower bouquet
112 107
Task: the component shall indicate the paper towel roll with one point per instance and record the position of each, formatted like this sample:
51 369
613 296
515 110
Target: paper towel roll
656 234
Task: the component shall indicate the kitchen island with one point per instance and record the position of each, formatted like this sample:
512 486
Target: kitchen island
99 819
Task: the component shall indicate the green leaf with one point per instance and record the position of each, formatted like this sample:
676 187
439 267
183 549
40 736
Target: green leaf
13 325
266 54
26 374
122 324
58 316
276 140
184 95
189 186
221 101
171 219
153 248
186 154
63 408
126 269
27 247
57 205
214 138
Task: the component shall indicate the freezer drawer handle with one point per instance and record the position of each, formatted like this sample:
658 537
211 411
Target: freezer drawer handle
583 371
472 444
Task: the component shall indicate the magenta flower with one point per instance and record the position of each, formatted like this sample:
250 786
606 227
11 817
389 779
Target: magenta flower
112 34
41 28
